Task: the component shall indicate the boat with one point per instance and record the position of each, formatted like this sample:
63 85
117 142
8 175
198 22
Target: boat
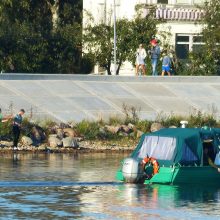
178 154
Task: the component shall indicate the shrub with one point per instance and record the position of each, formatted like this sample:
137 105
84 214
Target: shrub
87 64
116 120
144 125
199 119
26 127
89 130
195 119
6 130
131 113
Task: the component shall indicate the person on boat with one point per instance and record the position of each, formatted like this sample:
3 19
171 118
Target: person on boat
209 156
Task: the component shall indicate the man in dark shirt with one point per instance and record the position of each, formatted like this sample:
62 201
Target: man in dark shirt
17 128
209 156
155 55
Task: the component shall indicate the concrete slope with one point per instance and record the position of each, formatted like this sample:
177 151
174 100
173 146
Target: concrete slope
77 97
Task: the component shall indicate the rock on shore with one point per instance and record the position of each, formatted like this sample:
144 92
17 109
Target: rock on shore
64 138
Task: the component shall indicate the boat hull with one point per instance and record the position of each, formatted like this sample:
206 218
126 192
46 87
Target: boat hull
183 175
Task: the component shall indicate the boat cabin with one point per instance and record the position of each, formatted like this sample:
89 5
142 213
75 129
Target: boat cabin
179 146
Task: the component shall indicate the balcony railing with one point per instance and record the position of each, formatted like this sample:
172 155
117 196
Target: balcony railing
176 14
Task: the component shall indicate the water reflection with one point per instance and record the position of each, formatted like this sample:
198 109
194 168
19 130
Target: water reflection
83 186
169 202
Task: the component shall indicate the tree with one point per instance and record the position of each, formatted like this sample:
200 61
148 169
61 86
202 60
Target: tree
40 35
206 60
98 39
211 33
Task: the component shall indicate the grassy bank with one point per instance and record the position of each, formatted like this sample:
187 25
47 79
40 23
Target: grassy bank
121 132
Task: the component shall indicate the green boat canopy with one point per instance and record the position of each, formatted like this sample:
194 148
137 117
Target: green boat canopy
171 146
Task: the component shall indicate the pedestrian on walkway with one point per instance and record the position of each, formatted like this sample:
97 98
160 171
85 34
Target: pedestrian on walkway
155 55
166 64
140 59
16 128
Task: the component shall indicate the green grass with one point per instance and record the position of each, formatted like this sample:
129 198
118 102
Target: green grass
94 130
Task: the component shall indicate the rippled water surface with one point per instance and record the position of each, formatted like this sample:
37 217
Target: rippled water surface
83 186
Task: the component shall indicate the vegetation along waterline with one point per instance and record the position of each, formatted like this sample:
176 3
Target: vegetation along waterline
115 134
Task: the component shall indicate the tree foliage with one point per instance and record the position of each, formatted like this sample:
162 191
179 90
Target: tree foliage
130 33
206 60
40 36
211 33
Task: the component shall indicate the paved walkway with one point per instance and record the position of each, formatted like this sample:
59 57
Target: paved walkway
77 97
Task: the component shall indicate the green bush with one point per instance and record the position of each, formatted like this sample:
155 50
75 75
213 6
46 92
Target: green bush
26 127
200 119
116 120
87 64
6 130
144 125
89 130
195 119
168 119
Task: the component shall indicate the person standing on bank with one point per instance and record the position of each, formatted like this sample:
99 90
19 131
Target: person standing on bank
155 55
16 129
140 57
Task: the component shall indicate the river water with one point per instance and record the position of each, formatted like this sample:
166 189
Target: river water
83 186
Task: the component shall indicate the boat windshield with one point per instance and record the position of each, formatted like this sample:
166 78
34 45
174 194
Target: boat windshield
158 147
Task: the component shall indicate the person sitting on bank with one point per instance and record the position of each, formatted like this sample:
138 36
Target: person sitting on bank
209 156
16 129
166 63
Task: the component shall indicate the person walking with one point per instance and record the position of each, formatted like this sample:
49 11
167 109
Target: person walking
16 129
140 57
155 54
166 64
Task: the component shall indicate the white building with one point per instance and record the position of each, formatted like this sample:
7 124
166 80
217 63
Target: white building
180 15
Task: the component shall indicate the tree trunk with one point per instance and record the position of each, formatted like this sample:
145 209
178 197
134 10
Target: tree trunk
119 66
54 8
108 66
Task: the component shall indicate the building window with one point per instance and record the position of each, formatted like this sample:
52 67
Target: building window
183 2
162 1
198 2
186 43
197 44
182 46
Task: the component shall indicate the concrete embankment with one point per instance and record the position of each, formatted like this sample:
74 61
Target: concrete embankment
62 97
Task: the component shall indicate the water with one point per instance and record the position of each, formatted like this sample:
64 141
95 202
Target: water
83 186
